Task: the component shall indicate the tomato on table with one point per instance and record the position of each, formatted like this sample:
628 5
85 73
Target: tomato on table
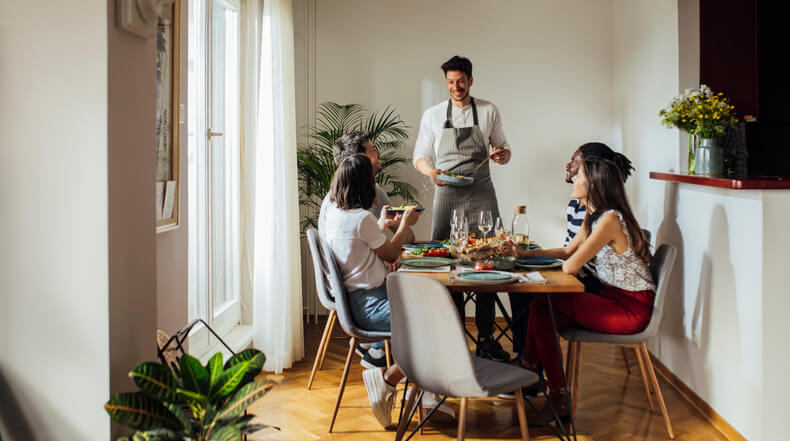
483 266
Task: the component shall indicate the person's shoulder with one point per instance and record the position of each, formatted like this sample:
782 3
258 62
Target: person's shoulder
436 110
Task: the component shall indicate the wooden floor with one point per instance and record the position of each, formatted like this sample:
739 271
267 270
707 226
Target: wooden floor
612 405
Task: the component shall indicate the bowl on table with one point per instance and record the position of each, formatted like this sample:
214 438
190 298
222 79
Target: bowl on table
503 263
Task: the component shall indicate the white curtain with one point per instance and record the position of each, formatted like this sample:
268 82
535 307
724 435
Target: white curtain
271 254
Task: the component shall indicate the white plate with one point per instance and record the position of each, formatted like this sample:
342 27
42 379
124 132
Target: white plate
458 182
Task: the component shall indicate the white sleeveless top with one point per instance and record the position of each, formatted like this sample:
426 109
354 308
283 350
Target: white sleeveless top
625 271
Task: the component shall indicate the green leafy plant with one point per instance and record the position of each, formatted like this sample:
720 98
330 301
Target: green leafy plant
199 403
316 164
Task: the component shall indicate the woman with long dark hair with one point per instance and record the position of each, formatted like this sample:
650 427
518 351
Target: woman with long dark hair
611 235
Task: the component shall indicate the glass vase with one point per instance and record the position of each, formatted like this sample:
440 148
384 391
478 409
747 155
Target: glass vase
693 144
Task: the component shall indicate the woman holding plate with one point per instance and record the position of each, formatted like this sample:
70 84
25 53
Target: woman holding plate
611 235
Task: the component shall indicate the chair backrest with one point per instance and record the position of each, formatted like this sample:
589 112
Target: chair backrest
337 290
320 269
428 340
661 269
647 234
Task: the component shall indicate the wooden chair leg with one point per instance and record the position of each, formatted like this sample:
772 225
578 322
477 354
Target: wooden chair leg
387 353
657 389
319 359
331 323
462 419
405 421
420 414
577 363
570 361
625 360
352 343
643 373
522 415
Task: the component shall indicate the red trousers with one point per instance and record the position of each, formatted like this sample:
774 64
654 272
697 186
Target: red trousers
613 311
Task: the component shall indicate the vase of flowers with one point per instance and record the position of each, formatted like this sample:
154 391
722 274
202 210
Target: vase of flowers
706 116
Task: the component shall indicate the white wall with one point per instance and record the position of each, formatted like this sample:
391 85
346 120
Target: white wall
54 317
723 323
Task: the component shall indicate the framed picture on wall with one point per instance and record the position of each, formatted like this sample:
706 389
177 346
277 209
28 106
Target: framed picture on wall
167 118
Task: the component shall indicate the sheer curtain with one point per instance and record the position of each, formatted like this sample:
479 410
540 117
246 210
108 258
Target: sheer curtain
271 254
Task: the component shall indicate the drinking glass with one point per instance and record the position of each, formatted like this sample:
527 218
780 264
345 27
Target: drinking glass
485 222
499 229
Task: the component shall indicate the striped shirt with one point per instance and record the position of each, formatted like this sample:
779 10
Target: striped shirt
575 220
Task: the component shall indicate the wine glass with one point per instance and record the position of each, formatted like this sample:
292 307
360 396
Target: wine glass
485 222
499 229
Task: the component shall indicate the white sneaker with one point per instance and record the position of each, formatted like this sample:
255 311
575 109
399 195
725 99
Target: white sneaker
380 394
444 414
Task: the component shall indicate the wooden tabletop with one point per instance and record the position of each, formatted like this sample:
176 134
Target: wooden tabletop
557 282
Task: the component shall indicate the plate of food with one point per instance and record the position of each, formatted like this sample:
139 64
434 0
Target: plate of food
456 180
402 208
539 262
486 277
425 262
419 245
429 252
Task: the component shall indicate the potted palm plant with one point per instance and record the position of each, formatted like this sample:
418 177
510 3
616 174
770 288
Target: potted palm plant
316 164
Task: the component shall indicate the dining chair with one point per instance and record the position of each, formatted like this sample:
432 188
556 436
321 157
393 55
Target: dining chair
321 286
661 269
430 346
648 235
336 289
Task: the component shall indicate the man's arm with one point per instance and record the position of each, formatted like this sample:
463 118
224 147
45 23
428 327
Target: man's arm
500 152
424 150
423 166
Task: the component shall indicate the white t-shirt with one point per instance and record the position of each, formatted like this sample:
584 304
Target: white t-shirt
353 235
381 200
432 124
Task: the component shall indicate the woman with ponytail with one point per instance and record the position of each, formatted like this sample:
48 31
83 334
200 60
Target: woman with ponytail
611 235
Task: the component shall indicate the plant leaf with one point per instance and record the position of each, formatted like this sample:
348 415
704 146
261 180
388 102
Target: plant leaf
245 396
140 411
194 376
214 368
256 359
229 380
152 435
184 415
155 380
225 433
189 396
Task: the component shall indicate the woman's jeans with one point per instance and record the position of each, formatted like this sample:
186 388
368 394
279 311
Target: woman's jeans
370 309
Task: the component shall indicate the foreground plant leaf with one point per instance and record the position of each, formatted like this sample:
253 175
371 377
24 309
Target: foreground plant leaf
156 380
141 412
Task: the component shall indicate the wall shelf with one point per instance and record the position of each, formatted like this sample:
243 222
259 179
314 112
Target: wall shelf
766 183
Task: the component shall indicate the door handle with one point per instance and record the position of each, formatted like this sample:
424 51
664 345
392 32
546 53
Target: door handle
212 134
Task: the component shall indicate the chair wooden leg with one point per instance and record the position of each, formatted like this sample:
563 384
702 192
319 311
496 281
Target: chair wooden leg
405 421
462 419
643 373
331 322
319 354
657 389
577 363
570 361
352 343
387 353
625 360
522 415
420 414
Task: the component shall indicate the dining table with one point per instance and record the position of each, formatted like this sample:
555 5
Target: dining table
556 283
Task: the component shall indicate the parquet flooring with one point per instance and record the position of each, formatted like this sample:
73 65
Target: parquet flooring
612 405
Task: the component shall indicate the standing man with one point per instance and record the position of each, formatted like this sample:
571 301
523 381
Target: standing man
455 137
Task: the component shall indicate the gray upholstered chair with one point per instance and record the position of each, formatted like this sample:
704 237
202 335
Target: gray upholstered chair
661 269
430 347
337 290
648 235
322 287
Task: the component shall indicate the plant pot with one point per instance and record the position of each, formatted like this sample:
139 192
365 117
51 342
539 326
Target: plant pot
709 158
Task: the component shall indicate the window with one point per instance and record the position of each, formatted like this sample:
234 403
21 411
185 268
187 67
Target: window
214 157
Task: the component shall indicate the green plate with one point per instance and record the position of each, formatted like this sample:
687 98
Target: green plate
556 264
425 262
486 277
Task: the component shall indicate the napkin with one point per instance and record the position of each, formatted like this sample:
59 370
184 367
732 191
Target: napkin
437 269
533 278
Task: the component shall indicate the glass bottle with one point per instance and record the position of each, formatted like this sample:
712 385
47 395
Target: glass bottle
520 226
